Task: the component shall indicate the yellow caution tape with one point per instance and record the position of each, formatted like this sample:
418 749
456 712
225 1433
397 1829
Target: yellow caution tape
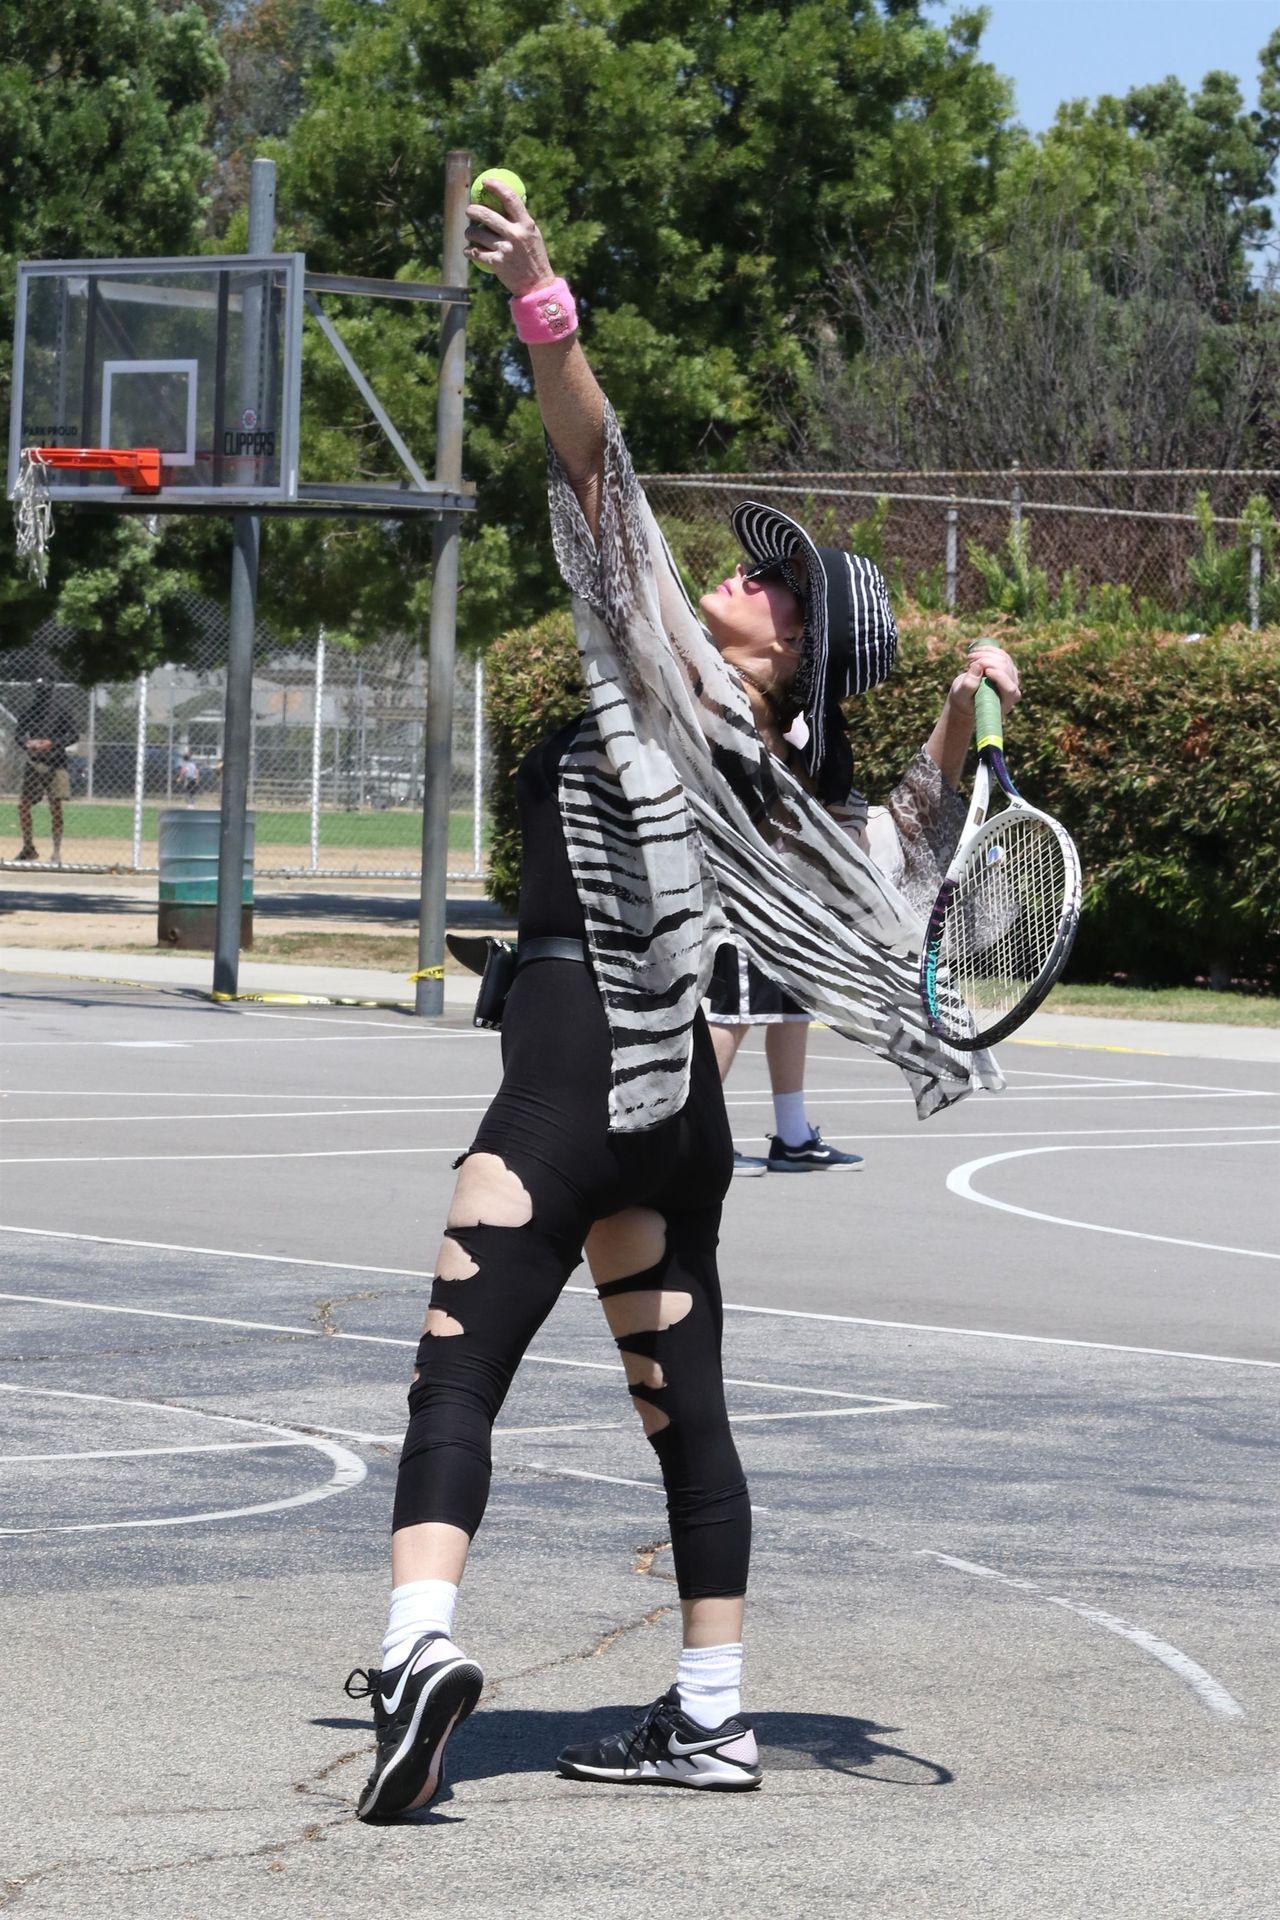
427 973
276 999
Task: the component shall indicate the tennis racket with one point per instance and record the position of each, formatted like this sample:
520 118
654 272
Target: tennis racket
1005 919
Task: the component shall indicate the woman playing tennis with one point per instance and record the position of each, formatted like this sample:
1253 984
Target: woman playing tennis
688 806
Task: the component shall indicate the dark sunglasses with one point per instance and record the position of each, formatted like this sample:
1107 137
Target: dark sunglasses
778 570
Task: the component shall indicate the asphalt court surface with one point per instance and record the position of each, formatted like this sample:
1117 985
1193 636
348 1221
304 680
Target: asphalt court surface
1005 1397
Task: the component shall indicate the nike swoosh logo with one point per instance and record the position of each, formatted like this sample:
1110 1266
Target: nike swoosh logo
390 1701
679 1748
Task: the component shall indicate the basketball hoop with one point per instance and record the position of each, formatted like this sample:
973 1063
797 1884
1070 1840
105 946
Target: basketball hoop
137 468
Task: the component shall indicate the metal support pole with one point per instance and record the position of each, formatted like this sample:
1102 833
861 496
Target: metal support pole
477 772
1255 579
362 741
246 542
317 738
1015 500
437 779
139 770
91 743
953 520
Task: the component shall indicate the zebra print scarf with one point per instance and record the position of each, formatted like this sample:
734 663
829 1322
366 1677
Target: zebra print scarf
683 833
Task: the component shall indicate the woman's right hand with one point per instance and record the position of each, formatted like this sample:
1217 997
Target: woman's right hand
508 242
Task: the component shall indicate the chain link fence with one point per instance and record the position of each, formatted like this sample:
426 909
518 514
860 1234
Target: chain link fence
1038 542
335 768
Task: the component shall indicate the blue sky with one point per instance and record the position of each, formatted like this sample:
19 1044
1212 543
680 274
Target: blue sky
1056 50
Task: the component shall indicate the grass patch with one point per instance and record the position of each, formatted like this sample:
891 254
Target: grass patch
396 827
389 952
1195 1005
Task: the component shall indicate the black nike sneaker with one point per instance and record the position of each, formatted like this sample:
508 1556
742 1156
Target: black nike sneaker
666 1748
416 1706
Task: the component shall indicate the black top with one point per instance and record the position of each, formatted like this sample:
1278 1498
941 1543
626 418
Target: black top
549 904
45 717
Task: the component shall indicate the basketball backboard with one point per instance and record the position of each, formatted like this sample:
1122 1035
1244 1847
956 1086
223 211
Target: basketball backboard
199 359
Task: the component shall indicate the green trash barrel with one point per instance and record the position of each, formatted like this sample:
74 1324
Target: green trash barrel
189 878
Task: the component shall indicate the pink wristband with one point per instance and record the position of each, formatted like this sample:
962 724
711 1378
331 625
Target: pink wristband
546 315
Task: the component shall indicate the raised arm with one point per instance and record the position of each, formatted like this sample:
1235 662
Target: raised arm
569 396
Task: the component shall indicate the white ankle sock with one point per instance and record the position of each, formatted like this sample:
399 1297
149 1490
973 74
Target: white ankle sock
791 1119
709 1681
418 1607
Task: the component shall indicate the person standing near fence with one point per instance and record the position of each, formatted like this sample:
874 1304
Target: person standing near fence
44 731
186 780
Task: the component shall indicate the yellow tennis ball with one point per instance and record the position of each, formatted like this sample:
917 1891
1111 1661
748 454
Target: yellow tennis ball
505 177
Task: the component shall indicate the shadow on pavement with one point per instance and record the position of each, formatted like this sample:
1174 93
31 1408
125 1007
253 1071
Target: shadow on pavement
497 1741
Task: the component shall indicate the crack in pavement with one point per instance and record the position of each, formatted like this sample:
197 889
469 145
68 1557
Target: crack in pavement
12 1890
324 1309
609 1638
645 1557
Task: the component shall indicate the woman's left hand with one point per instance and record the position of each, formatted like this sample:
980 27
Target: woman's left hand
987 662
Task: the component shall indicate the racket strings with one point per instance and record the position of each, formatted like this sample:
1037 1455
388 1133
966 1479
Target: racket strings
1005 914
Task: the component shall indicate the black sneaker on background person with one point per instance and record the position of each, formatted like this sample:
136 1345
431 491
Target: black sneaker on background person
416 1706
746 1167
27 853
666 1748
814 1154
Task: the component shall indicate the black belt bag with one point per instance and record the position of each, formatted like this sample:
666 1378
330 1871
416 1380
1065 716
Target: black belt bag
497 962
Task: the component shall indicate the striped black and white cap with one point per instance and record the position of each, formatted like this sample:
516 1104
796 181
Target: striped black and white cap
850 636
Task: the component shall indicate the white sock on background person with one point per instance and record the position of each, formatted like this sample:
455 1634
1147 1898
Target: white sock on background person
709 1682
418 1607
791 1120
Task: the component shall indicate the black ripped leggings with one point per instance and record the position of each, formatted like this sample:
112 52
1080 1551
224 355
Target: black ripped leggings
547 1125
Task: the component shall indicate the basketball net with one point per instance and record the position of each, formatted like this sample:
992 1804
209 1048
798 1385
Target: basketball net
33 514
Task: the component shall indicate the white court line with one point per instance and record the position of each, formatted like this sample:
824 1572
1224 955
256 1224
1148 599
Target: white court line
349 1020
840 1413
147 1453
606 1479
397 1439
1210 1692
380 1153
407 1035
161 1093
348 1469
302 1113
887 1401
408 1273
959 1181
163 1159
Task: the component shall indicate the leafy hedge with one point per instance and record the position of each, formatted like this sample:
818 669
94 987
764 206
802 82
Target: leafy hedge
1161 756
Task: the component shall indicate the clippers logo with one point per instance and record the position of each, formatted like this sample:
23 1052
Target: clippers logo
261 444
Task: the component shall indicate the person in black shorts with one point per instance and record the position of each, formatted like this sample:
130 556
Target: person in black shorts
741 997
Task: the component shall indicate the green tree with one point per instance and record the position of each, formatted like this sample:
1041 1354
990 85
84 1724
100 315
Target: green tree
1111 315
102 119
269 47
694 168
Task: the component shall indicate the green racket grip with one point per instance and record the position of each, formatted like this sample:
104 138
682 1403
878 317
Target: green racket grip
987 715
